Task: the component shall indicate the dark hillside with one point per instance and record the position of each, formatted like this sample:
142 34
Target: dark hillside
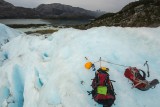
143 13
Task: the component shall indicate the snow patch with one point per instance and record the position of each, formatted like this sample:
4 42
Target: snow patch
49 72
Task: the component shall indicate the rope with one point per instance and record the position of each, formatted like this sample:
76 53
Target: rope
138 81
112 63
115 63
100 60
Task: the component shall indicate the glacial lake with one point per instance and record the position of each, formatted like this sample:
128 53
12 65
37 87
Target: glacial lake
55 22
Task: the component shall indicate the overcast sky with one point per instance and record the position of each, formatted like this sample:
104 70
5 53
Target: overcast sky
103 5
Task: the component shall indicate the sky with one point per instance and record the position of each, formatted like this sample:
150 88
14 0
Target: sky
103 5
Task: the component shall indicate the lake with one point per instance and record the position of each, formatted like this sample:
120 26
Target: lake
44 21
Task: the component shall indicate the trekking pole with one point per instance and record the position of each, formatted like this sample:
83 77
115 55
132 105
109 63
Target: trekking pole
147 68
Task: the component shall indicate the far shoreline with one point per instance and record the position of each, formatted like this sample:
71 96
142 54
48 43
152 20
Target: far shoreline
28 23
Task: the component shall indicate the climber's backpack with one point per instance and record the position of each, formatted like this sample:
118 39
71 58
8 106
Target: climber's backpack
103 91
138 78
133 74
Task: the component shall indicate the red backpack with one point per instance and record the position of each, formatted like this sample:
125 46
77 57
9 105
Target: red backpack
139 80
103 91
133 74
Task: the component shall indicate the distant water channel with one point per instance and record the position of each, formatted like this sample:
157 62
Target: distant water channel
55 22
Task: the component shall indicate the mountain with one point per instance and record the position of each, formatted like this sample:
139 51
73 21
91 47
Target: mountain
142 13
55 10
5 4
7 10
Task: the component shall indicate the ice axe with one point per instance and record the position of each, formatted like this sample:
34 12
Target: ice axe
100 61
146 63
86 58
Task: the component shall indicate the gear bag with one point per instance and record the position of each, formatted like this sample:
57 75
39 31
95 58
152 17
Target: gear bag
139 80
103 91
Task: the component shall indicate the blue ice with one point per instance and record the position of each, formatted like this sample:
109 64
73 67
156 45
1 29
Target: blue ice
4 94
5 55
39 82
18 86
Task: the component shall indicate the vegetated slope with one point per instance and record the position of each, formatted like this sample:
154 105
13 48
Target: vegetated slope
142 13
